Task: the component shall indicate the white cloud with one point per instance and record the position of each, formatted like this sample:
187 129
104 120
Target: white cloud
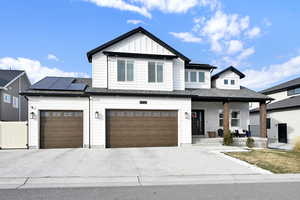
52 57
34 69
234 46
169 6
213 4
121 5
237 60
144 7
254 32
265 77
246 53
186 37
134 21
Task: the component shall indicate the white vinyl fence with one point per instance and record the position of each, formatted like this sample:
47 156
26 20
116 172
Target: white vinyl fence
13 135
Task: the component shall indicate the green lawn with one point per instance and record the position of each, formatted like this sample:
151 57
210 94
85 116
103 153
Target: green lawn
276 161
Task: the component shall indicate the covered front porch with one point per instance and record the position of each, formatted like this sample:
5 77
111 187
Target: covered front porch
212 118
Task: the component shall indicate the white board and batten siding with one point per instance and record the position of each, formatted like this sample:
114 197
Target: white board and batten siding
228 75
37 104
211 114
199 85
140 76
137 43
102 103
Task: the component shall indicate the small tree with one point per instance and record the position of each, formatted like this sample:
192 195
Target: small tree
228 138
250 142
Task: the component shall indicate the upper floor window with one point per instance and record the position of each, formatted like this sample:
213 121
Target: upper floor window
293 91
6 98
15 102
193 77
155 72
232 82
125 70
186 75
201 76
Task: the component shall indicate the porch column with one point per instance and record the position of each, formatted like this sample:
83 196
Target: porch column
226 117
263 119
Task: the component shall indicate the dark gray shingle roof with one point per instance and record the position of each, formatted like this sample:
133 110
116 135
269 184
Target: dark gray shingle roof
291 102
45 88
244 94
104 91
8 75
283 86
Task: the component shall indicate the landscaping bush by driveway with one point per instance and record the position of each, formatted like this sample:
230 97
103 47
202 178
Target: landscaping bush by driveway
277 161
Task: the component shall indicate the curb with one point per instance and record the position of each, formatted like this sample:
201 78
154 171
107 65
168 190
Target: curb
75 182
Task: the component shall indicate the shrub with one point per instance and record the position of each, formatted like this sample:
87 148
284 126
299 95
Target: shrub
228 139
297 144
250 142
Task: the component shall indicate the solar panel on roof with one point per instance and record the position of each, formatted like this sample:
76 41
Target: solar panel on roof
61 84
77 86
44 84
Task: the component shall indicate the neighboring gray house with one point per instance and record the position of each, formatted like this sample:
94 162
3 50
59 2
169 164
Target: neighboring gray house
13 106
283 113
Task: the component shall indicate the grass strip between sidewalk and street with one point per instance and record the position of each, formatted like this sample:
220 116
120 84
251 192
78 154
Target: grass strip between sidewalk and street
276 161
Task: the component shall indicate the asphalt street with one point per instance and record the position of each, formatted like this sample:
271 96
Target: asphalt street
242 191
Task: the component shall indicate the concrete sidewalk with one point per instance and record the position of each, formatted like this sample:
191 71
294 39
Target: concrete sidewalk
73 182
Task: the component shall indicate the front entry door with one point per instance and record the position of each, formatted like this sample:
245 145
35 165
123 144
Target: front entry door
282 133
198 122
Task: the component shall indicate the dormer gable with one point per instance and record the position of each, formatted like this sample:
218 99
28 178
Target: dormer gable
228 78
134 42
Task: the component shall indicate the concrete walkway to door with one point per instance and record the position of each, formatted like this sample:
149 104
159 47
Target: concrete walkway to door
130 162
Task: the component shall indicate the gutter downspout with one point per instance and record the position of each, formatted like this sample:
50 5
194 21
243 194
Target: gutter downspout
89 122
27 123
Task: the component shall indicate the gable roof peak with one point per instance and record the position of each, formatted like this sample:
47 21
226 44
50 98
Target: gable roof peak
230 68
130 33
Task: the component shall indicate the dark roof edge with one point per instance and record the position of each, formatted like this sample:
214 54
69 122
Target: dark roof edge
278 90
199 66
128 34
55 94
275 109
139 55
230 99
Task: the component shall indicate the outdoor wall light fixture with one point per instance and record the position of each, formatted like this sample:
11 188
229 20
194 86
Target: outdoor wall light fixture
32 115
186 114
97 115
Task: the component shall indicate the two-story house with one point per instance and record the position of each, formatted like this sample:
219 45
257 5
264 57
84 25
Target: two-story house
13 106
283 113
142 93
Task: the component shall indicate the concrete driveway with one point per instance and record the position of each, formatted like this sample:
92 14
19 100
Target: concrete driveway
169 161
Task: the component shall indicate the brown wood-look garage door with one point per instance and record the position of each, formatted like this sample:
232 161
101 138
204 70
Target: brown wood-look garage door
61 129
141 128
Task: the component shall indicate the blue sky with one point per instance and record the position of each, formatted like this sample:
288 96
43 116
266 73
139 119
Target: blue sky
51 37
